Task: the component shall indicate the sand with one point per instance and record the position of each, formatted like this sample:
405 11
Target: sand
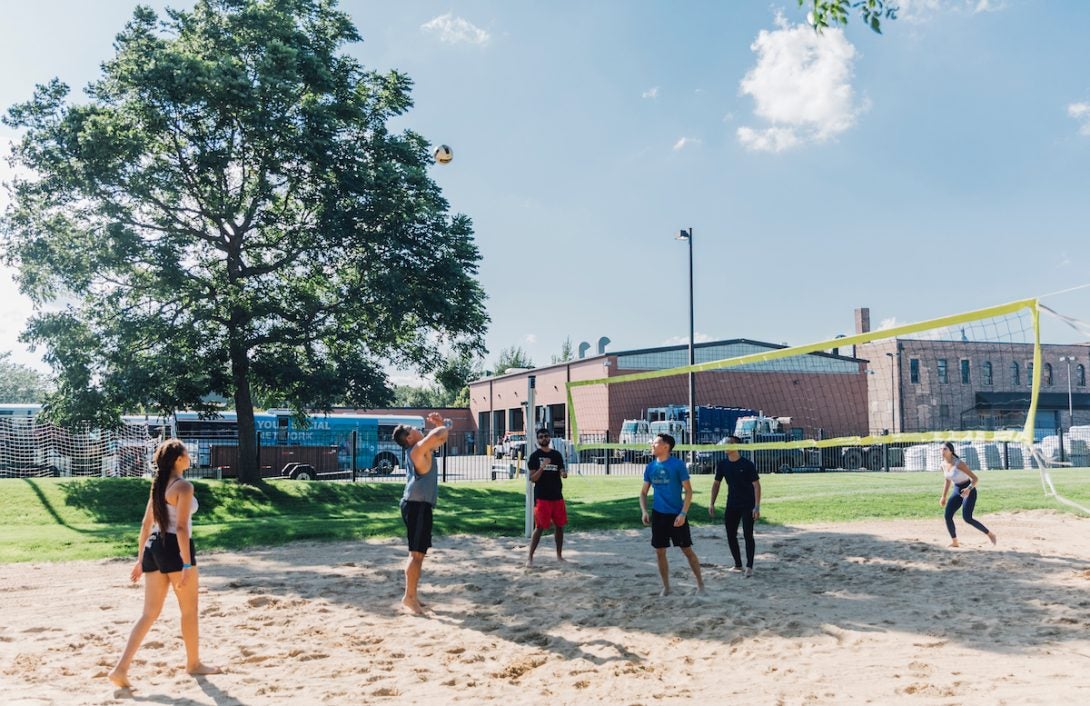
874 612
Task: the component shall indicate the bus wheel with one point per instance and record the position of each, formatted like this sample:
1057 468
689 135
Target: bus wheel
384 464
303 471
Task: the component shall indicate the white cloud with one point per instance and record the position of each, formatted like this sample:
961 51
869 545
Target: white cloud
651 93
1081 113
684 340
455 30
729 117
773 139
801 86
921 11
686 142
891 322
531 338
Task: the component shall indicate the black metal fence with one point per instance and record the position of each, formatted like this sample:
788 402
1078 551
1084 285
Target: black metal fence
27 450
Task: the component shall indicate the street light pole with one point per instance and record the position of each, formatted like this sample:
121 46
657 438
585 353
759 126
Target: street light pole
1070 407
688 235
892 394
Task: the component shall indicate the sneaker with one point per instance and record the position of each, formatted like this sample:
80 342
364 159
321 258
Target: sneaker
735 569
749 571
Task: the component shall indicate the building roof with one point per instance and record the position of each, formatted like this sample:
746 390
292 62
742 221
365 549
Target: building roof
644 352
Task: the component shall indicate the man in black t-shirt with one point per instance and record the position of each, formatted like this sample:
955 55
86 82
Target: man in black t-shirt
743 502
547 472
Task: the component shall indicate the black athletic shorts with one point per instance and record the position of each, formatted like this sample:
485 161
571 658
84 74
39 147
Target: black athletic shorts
663 531
417 517
164 555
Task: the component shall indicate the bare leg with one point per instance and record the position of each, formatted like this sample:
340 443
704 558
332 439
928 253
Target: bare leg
187 604
694 564
534 539
664 570
559 543
155 592
412 578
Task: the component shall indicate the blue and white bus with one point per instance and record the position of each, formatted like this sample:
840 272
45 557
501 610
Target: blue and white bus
370 435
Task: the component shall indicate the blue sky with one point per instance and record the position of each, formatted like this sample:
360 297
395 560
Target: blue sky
941 167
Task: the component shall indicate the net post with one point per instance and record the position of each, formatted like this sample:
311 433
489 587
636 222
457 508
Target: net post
528 418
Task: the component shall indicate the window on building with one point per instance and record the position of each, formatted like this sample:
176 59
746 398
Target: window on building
1048 374
914 370
1029 374
944 412
986 371
942 370
965 379
1015 379
1080 375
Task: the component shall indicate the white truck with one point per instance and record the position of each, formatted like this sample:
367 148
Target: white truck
641 432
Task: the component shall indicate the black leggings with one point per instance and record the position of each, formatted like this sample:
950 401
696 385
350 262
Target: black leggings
966 504
731 518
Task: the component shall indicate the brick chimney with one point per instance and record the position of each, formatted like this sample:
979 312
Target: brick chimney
862 320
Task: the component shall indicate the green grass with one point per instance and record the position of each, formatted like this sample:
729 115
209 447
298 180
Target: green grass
58 520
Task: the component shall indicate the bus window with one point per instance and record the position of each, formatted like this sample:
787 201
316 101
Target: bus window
282 430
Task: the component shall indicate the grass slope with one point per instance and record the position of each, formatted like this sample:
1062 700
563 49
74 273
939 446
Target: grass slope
60 519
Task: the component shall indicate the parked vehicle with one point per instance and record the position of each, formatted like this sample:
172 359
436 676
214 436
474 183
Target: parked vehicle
758 428
372 435
512 445
713 422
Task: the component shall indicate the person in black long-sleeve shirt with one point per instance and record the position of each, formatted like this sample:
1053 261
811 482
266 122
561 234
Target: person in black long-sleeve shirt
743 503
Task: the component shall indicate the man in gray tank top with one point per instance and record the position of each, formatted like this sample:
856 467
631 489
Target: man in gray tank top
418 501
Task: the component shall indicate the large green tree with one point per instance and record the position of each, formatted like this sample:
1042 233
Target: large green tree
229 212
21 384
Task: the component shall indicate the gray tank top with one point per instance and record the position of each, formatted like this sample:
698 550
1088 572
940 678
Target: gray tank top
421 487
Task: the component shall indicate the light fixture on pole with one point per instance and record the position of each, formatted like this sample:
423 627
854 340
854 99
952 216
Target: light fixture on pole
688 235
1069 359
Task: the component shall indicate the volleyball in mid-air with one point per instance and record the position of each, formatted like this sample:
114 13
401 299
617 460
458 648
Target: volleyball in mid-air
443 154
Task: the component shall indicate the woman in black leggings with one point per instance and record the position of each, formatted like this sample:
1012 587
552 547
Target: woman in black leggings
964 483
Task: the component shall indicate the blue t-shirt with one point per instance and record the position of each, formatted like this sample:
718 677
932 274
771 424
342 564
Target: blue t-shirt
666 478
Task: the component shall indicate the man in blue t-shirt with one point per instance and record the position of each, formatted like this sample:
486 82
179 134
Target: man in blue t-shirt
669 511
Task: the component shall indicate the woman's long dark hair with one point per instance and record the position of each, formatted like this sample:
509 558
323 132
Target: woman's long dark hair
166 454
950 448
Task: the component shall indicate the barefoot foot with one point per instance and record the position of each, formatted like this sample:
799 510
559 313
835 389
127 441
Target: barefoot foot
411 605
119 679
203 668
664 592
992 537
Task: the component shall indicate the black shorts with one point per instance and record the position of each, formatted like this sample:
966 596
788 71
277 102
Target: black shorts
417 517
164 555
663 532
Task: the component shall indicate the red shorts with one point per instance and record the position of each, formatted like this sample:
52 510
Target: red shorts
550 512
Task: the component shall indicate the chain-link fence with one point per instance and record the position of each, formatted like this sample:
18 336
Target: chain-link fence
30 448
